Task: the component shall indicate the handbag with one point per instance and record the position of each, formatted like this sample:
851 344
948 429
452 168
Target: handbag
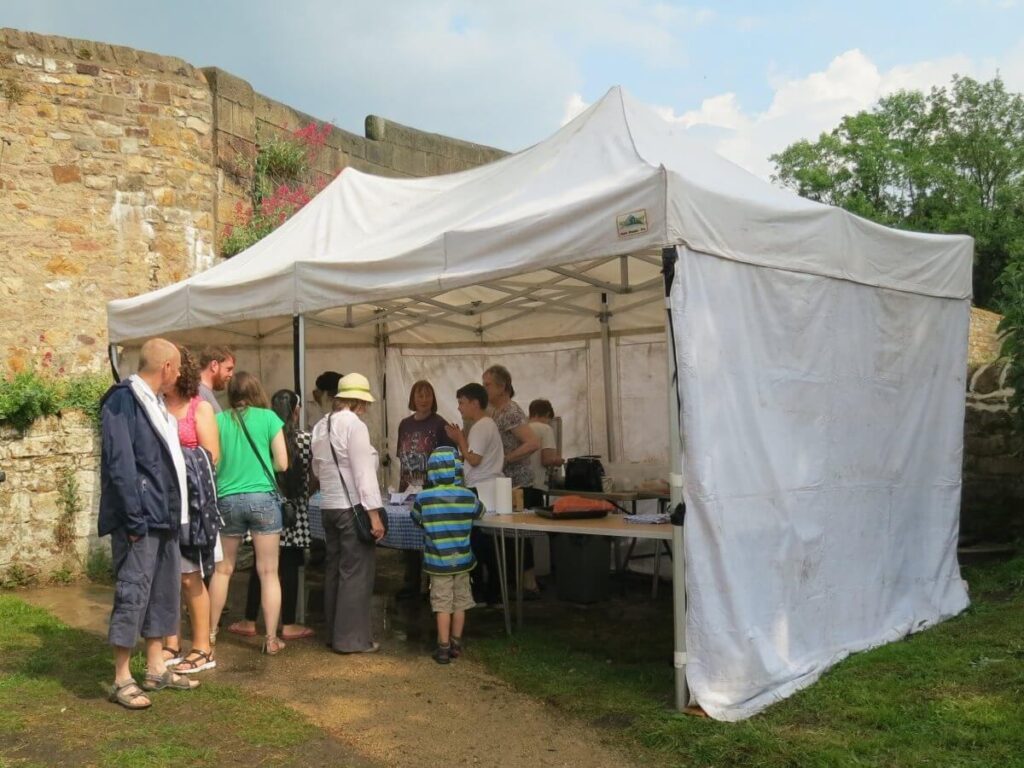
289 510
364 528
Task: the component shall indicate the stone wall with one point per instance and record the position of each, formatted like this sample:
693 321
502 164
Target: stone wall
31 509
122 169
107 189
244 118
992 506
118 170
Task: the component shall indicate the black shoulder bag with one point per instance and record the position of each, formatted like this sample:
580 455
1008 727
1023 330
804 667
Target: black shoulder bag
289 512
364 529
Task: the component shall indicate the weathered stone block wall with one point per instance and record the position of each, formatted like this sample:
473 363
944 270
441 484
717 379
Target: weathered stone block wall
106 189
992 506
120 168
30 507
244 118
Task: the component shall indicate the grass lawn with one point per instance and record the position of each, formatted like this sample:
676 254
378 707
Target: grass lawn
950 696
53 710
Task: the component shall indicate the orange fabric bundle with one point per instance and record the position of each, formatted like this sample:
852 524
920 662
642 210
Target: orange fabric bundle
567 504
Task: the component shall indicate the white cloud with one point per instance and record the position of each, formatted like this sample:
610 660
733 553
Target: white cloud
722 111
574 107
807 106
499 73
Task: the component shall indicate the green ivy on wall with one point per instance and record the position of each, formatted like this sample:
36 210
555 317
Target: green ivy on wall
29 395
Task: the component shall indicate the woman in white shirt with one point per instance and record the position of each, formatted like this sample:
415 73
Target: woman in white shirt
350 565
541 414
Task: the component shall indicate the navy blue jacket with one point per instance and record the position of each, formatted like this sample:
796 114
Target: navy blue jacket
138 483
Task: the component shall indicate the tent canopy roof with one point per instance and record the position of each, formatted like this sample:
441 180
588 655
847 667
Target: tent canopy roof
616 181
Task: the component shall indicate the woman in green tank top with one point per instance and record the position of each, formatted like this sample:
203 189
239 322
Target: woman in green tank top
252 448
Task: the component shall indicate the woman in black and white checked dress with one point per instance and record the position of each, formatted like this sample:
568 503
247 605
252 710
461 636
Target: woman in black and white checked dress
295 539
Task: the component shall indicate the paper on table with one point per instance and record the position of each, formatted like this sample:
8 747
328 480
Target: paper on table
496 495
409 494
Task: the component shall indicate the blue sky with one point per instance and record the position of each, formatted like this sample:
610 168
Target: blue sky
748 77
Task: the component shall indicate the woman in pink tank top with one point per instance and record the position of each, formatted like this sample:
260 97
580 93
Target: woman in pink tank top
197 426
188 431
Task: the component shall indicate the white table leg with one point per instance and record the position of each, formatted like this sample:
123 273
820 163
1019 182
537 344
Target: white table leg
499 546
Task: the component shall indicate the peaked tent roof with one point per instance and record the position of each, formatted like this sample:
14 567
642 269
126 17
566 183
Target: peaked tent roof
367 239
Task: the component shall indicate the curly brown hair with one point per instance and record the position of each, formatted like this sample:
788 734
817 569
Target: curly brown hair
187 385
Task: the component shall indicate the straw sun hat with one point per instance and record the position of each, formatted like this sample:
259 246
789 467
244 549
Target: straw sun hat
355 386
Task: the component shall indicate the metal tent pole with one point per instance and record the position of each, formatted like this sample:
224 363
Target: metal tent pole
112 355
382 373
299 358
606 366
669 257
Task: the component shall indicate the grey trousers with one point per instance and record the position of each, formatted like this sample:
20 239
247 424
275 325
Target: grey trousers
147 597
348 585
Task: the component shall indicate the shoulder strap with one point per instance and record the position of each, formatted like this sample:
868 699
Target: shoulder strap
337 466
241 422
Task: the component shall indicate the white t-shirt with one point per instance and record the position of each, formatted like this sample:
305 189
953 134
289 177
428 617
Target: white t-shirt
546 435
485 441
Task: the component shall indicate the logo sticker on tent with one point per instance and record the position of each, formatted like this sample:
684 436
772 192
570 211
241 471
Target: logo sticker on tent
632 223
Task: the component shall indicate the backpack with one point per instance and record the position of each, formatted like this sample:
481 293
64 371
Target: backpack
584 473
204 523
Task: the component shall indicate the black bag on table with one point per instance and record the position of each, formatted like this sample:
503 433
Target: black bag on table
584 473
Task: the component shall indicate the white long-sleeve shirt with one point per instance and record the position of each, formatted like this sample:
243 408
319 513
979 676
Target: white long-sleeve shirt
356 456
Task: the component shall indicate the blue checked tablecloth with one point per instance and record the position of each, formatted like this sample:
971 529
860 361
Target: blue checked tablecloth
403 533
316 520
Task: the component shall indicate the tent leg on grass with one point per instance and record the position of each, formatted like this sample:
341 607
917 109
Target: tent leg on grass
675 441
606 375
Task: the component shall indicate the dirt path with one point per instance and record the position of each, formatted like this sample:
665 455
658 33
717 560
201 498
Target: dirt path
395 708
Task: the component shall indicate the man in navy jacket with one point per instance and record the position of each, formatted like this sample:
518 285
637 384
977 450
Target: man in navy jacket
142 504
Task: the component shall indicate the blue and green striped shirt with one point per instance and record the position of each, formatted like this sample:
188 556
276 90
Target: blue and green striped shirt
446 511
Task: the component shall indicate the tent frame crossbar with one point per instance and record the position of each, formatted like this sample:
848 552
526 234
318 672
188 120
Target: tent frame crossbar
553 294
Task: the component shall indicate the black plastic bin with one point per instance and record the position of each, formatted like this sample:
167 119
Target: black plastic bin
581 565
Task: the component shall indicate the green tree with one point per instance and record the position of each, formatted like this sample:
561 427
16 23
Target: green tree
950 161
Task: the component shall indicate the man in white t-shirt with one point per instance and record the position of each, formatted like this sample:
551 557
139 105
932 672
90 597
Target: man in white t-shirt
483 457
482 451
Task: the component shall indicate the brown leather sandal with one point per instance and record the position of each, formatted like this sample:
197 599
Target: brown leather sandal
196 661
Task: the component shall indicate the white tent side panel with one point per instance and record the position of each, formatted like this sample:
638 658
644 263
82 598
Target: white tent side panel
822 436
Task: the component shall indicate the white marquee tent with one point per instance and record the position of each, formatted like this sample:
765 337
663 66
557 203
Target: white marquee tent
821 362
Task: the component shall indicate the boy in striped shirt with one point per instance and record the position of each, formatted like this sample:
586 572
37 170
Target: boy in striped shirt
446 510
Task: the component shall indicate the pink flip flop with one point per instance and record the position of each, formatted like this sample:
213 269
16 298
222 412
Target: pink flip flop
235 629
306 632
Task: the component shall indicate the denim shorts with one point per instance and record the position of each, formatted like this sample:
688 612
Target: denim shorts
255 512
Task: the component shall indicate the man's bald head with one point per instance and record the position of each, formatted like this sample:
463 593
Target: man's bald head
159 364
155 354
